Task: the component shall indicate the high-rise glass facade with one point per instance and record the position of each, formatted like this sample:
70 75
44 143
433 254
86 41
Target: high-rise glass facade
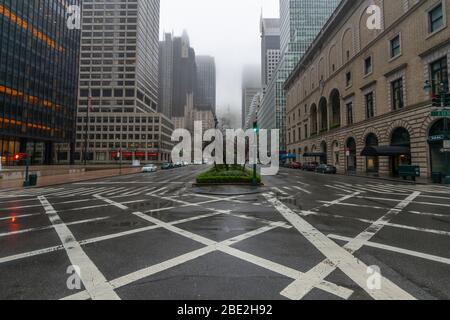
205 90
38 78
300 22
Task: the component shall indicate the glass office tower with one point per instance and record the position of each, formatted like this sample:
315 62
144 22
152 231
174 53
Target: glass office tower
38 78
300 23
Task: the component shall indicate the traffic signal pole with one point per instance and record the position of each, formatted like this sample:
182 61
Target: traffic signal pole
255 153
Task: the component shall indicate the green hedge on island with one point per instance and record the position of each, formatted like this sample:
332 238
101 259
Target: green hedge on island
230 174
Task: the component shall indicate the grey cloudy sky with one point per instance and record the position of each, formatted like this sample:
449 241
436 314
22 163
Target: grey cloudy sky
225 29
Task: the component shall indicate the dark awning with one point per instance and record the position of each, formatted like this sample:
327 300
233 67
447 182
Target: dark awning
288 156
385 151
314 155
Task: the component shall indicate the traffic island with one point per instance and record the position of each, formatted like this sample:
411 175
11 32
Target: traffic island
225 175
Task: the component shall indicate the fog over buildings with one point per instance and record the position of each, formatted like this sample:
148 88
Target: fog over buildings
230 33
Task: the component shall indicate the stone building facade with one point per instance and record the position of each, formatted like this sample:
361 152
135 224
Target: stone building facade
361 98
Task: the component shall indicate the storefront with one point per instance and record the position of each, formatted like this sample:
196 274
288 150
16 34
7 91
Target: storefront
400 139
439 155
372 162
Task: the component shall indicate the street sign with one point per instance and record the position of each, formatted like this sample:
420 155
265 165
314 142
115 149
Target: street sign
436 138
440 113
446 144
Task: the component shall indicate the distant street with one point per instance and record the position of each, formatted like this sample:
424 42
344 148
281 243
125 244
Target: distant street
154 236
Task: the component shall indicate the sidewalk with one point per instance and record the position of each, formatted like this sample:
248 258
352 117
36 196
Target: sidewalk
46 181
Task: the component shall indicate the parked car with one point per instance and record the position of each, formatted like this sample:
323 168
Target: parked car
327 169
149 168
178 164
167 166
295 165
310 166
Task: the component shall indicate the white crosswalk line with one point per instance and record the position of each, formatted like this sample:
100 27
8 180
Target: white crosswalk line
114 192
336 257
93 280
303 190
278 190
155 191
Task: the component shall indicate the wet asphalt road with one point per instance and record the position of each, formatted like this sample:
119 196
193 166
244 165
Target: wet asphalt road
151 236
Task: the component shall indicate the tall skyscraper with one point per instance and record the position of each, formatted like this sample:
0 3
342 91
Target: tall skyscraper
300 22
205 93
251 85
166 75
38 78
184 74
178 79
270 49
119 83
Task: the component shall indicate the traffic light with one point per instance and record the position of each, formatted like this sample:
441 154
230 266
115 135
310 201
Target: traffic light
20 156
255 127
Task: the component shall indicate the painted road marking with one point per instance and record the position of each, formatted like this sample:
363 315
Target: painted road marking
93 280
278 190
414 202
303 190
332 288
100 239
21 216
336 257
344 198
395 249
339 188
213 246
370 232
12 233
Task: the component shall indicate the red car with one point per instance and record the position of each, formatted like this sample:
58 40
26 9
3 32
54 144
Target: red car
295 165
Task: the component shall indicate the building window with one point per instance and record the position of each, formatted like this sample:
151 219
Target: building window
395 46
368 65
436 18
350 113
370 105
439 75
348 79
397 94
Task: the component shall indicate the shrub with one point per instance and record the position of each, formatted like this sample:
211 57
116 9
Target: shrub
235 174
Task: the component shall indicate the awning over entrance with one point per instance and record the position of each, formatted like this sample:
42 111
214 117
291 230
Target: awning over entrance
314 155
288 156
385 151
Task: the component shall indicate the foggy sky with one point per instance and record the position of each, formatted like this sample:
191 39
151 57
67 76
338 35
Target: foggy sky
225 29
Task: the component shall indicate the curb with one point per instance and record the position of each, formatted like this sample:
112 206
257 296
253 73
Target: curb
72 182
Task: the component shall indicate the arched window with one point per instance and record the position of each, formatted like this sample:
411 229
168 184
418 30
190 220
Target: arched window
335 100
323 115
